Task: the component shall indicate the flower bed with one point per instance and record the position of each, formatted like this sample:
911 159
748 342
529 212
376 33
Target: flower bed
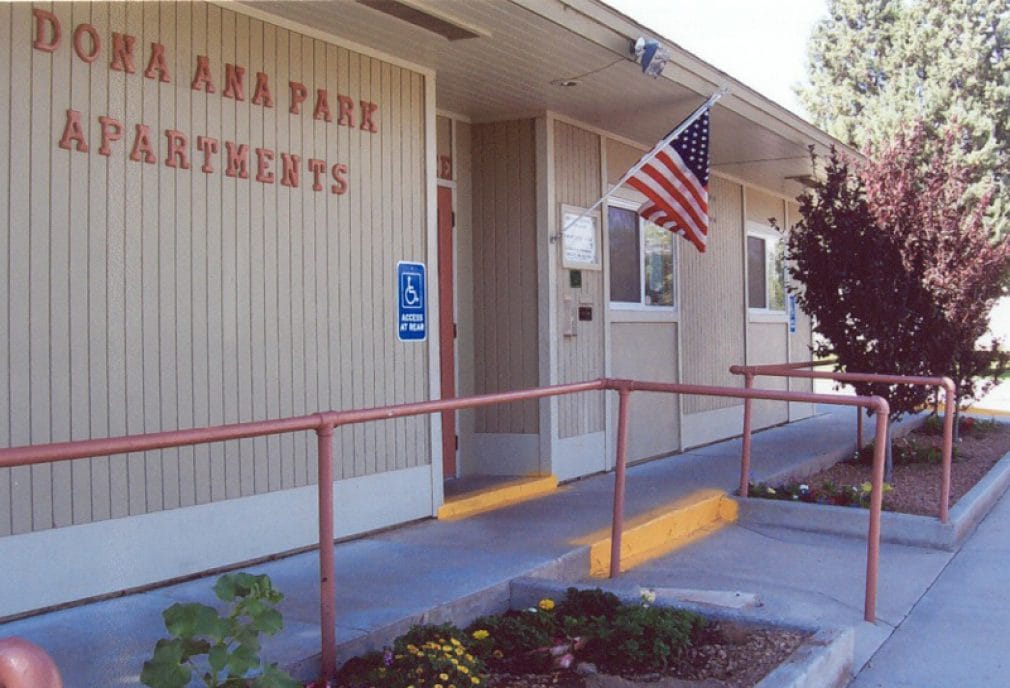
915 488
588 633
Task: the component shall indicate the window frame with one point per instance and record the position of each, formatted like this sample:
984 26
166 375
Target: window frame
772 240
641 310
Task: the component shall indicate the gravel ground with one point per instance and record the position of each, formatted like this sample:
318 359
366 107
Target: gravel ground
916 487
729 656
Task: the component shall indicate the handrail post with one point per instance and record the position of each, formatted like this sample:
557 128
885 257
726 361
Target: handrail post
327 584
859 429
876 502
617 523
745 450
948 441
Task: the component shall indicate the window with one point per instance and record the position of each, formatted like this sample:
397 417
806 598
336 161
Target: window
642 259
766 270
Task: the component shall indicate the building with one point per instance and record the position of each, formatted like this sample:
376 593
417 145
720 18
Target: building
206 207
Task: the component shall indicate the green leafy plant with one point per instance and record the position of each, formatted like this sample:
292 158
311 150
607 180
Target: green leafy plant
512 636
589 603
967 426
640 638
588 625
426 656
826 493
222 650
910 450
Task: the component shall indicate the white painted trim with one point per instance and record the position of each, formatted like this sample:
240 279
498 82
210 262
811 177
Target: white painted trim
449 114
745 276
609 407
763 315
506 454
314 32
434 345
120 554
631 313
547 279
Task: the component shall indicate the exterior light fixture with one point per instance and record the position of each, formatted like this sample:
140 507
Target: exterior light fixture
651 54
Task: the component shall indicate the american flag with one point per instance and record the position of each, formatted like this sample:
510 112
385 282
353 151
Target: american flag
674 177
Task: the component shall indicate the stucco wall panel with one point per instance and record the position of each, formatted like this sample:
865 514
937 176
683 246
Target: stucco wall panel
141 297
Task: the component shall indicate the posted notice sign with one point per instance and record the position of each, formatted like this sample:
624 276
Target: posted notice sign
412 309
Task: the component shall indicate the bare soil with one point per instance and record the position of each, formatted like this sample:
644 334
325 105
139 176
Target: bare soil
728 656
916 486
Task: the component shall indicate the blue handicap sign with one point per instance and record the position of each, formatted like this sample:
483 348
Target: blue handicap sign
792 313
412 304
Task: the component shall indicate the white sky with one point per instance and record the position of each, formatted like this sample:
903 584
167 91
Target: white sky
762 43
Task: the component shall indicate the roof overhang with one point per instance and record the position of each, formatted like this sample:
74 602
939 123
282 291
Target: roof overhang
519 47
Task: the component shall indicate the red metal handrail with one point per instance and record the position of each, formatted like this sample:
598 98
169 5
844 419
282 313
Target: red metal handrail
323 424
795 370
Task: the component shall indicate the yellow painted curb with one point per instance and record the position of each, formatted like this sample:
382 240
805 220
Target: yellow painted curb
688 520
497 497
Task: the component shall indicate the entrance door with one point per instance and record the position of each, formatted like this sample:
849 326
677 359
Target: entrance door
446 328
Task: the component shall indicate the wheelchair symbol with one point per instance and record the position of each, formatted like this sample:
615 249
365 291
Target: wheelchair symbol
410 295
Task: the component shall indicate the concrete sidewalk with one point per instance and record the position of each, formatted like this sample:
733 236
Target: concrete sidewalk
396 577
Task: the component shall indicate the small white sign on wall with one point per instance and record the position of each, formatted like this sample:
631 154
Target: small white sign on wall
580 240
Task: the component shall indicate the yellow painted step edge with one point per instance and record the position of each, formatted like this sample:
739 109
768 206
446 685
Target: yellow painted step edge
664 533
497 497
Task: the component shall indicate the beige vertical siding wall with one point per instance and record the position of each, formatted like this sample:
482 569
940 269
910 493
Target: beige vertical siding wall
577 181
714 313
137 297
505 272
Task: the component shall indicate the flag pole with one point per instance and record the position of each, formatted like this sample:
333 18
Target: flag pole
647 157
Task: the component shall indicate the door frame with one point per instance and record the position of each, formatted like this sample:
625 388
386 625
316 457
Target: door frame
449 379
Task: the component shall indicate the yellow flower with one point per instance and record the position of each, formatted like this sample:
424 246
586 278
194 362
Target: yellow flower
480 634
444 677
546 604
497 654
474 680
454 660
455 642
412 649
459 651
469 657
438 685
464 669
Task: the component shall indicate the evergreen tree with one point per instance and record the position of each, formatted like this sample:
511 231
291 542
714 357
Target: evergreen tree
876 65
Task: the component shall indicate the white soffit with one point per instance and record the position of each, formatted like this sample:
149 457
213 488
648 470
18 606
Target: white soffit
524 45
